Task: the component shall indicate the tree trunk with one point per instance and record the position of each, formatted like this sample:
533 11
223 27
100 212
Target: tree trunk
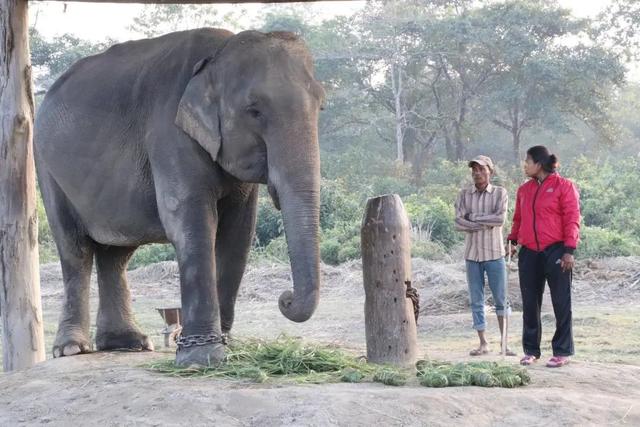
515 134
396 86
459 123
386 262
22 330
451 155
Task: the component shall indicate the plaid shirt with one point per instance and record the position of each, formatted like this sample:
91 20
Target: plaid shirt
485 214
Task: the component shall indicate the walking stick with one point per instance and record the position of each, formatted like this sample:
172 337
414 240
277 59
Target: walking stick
505 316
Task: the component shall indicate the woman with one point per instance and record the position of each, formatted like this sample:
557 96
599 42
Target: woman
546 223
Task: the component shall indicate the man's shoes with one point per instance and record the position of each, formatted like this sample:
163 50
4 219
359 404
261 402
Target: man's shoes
480 351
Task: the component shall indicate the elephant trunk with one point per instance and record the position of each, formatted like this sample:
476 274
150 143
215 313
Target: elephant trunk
295 182
300 211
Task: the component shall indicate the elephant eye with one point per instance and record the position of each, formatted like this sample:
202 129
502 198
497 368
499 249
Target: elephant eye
254 112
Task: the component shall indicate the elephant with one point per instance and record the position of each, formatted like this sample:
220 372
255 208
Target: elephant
166 140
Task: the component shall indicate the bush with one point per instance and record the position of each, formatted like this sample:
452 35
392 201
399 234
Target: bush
150 254
429 250
337 204
432 218
341 243
46 244
269 222
599 242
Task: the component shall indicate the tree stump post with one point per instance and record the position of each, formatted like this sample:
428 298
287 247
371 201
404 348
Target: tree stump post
386 263
22 329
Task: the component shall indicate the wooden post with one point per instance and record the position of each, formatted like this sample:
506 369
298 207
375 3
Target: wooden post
386 263
22 330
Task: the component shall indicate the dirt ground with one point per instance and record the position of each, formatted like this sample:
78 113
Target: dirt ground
600 387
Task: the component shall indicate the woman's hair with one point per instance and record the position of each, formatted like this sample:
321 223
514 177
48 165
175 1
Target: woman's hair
540 154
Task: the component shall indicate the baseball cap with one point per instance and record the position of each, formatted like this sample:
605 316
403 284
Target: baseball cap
482 160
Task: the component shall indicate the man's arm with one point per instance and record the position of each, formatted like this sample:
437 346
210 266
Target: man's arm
461 224
496 218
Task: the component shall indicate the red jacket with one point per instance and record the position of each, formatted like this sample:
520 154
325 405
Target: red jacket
547 213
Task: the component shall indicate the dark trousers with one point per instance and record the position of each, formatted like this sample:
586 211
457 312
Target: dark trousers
534 269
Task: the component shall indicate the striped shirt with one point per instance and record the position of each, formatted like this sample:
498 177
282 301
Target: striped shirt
485 213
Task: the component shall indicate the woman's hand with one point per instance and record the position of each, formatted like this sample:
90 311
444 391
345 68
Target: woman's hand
567 262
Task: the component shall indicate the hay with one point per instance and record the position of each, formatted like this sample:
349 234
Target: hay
285 357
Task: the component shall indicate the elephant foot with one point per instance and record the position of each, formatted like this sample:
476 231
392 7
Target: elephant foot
200 356
128 340
70 342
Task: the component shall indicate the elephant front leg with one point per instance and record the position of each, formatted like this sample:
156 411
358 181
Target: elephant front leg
194 238
235 234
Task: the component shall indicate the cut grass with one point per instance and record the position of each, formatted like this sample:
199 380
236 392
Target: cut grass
482 374
285 357
290 359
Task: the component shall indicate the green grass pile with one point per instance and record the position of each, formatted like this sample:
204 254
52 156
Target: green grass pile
482 374
259 360
291 359
390 376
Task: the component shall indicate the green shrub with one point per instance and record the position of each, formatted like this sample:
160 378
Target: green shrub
337 204
277 249
429 250
341 243
433 218
149 254
598 242
268 223
46 244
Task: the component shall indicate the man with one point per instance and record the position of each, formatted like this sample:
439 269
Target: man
481 209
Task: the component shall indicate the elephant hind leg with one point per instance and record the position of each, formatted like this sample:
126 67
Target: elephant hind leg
116 327
76 252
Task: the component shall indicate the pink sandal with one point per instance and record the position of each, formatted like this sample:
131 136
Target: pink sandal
557 361
528 359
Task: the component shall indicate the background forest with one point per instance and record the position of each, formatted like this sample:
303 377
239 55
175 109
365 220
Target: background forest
416 87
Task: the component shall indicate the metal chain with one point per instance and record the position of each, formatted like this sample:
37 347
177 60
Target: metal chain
198 340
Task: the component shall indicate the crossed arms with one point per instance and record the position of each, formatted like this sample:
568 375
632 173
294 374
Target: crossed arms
475 221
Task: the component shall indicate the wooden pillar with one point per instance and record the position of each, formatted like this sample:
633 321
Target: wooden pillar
386 263
22 330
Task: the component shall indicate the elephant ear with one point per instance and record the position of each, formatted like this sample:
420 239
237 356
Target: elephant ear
198 111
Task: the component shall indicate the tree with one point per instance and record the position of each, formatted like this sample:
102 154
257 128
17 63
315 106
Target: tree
157 19
50 58
618 28
541 81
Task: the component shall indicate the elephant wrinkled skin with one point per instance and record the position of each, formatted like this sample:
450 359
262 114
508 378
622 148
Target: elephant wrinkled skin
166 140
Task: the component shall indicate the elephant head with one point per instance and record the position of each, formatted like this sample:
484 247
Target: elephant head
254 107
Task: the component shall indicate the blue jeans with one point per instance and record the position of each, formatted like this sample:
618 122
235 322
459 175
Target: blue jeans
495 271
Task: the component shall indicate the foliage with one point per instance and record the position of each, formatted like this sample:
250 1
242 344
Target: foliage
269 222
46 245
50 58
157 19
597 242
610 194
341 243
149 254
398 74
